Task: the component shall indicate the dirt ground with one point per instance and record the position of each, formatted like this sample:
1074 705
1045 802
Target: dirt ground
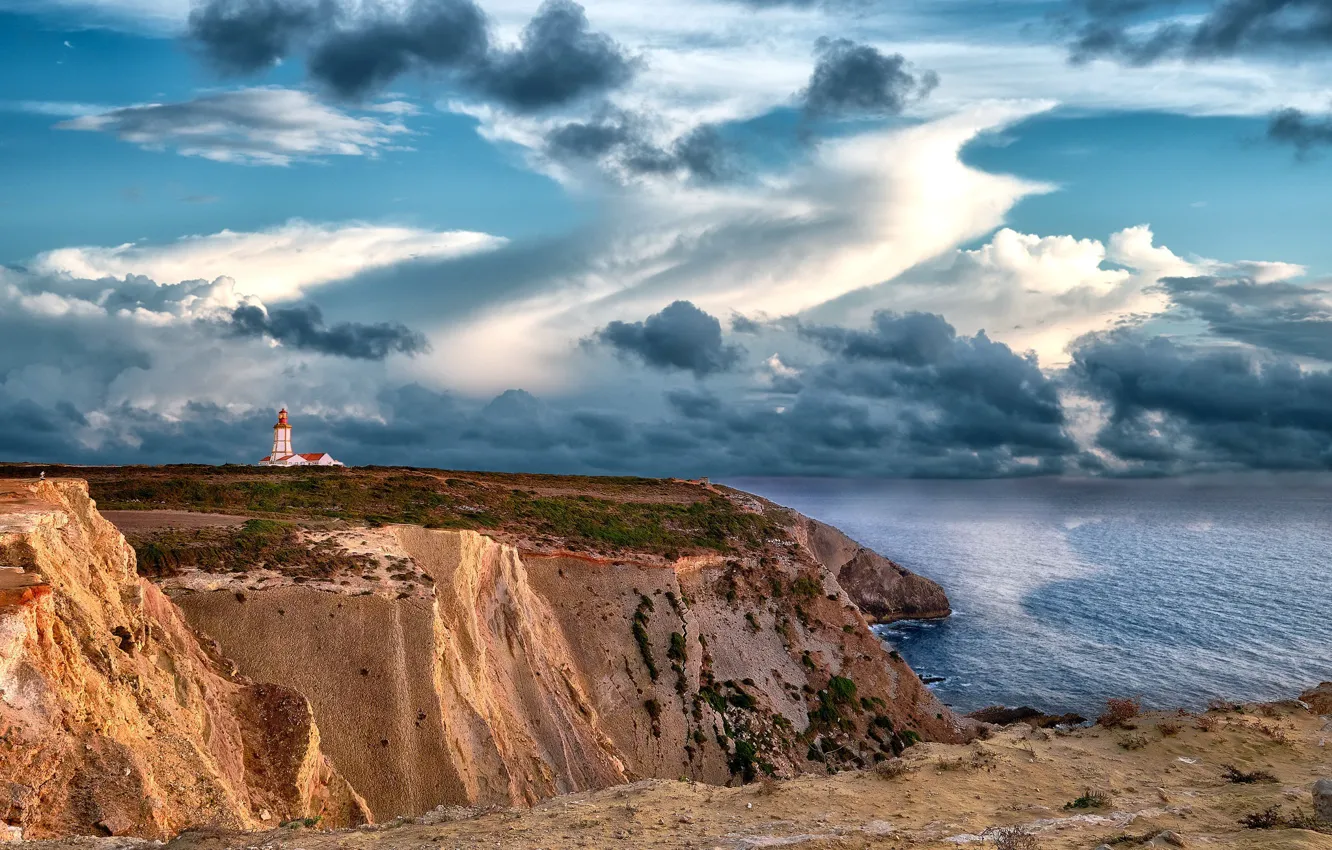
129 522
1166 774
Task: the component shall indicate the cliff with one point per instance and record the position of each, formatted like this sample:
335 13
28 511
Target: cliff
884 590
487 675
116 720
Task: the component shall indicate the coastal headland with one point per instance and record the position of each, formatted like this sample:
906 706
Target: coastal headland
335 656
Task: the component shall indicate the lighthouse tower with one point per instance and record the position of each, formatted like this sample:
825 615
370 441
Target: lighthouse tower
282 455
281 437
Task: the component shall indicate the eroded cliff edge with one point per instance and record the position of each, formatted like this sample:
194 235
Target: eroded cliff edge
585 639
115 719
454 667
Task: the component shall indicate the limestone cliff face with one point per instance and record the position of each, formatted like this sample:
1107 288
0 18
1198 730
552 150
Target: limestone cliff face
115 719
510 676
885 591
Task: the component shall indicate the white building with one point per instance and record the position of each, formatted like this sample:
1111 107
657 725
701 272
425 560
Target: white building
282 455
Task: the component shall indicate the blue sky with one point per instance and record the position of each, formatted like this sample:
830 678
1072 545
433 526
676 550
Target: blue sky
609 237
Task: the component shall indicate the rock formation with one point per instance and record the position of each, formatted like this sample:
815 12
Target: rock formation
1319 699
115 719
508 677
885 591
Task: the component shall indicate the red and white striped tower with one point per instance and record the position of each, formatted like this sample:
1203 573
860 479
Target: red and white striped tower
281 437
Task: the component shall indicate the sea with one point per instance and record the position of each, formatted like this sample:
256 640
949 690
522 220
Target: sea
1066 592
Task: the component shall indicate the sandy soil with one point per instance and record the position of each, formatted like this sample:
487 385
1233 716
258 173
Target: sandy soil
129 522
948 796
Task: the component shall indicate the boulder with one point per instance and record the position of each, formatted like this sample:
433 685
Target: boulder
1322 800
1319 699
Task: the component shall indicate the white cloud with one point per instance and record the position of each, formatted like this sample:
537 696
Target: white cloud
1040 293
867 209
260 126
273 265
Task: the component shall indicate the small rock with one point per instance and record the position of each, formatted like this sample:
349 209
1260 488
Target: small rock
1104 847
1167 839
1322 799
10 833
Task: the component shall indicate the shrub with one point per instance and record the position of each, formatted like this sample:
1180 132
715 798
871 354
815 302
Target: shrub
1168 728
1118 712
1266 819
893 768
1234 774
1089 800
842 689
1133 742
1015 838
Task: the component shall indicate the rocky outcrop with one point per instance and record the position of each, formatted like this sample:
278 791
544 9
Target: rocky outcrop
116 720
509 676
885 591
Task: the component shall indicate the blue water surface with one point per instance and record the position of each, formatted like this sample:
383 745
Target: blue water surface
1067 592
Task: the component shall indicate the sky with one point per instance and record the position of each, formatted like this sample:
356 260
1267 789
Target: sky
944 238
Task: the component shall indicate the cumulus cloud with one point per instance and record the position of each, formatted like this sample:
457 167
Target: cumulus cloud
1278 316
356 50
303 327
273 265
1172 408
856 79
262 126
1140 32
559 59
681 336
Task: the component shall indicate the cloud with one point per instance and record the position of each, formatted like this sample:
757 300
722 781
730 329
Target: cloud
1140 32
357 50
622 143
370 51
1172 408
1278 316
303 327
261 126
244 36
979 392
274 265
681 337
1303 131
856 79
558 60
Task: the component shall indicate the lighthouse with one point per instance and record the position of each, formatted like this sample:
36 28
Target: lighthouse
282 455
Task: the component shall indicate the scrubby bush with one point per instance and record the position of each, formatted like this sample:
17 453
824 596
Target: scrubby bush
1015 838
1234 774
1118 712
1089 800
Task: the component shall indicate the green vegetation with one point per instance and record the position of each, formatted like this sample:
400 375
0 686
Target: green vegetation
842 689
259 543
678 651
641 514
1089 800
639 629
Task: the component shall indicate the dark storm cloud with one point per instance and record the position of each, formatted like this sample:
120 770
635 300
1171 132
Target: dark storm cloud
622 140
1280 317
303 327
969 391
856 79
1301 130
680 337
558 60
244 36
1131 31
1174 408
366 55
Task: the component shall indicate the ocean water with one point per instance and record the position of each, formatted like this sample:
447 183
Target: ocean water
1067 592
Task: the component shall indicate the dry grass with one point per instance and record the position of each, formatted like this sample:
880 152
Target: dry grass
1014 838
1118 713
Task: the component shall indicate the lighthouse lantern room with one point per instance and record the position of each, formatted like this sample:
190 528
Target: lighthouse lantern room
282 455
